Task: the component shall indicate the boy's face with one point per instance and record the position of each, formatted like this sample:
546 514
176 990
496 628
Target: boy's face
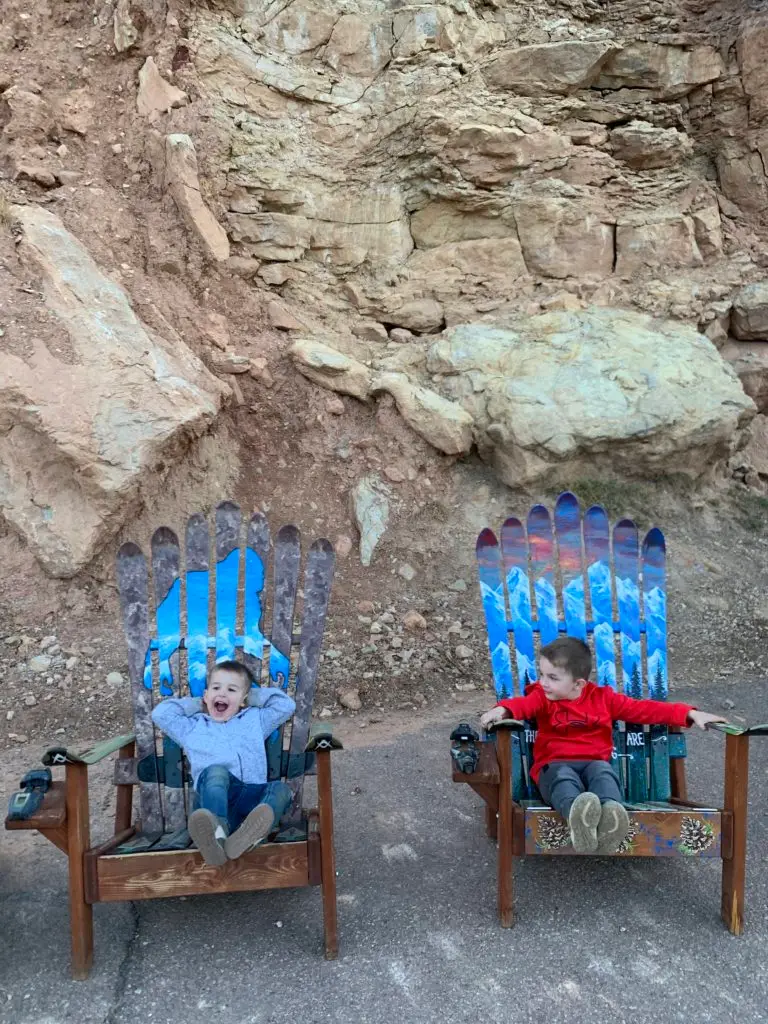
558 683
225 694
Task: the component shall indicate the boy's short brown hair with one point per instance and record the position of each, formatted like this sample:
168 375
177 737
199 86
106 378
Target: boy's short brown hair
236 668
570 653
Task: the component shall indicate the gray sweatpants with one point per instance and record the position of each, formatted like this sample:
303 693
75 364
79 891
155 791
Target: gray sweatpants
560 782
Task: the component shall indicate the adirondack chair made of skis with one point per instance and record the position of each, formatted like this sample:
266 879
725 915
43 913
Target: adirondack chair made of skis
609 590
153 856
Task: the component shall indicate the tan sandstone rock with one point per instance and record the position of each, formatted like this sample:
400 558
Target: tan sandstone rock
155 95
563 238
561 67
125 32
750 361
645 245
441 222
667 71
490 155
444 424
81 437
182 181
331 369
644 147
358 46
749 320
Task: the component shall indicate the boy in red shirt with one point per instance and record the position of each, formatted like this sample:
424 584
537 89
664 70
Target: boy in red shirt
574 742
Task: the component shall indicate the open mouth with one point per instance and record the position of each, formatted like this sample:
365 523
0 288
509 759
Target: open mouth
220 706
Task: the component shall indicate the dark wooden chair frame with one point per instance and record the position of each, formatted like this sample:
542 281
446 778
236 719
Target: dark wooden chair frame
162 862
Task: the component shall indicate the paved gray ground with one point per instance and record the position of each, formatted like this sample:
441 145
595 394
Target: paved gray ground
596 940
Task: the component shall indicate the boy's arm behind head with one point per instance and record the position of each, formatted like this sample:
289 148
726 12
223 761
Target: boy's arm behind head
174 716
275 707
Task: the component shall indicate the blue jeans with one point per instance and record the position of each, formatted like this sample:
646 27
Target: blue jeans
232 800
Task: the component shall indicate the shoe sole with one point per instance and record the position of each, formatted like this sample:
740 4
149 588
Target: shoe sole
612 828
202 829
253 830
582 822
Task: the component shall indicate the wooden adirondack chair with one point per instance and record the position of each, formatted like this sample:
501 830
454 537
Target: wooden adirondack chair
153 856
575 581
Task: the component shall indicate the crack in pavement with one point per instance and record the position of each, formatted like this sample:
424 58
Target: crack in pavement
121 978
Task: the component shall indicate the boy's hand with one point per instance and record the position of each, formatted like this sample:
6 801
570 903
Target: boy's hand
258 696
496 714
702 718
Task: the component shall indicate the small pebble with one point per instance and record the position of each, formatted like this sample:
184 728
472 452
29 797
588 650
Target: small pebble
413 620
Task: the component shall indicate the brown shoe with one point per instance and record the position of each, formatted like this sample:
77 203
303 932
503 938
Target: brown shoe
613 827
582 822
208 835
253 831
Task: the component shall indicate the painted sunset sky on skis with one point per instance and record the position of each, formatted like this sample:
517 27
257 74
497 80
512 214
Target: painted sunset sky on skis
534 556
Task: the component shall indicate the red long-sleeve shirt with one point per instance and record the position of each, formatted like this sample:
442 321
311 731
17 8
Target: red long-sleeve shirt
582 729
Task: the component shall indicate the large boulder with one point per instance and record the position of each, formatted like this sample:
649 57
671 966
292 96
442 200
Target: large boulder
560 393
88 425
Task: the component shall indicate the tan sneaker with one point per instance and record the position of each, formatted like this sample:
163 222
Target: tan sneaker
253 831
613 827
208 835
582 821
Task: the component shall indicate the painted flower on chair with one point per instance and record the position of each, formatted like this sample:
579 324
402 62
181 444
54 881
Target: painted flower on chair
554 833
695 836
628 842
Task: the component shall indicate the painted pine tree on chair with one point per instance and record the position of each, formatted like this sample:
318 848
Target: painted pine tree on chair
550 579
223 614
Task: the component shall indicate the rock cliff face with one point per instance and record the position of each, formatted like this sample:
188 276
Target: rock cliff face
423 163
585 180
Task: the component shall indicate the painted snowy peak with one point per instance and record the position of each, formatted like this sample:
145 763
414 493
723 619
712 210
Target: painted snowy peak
581 391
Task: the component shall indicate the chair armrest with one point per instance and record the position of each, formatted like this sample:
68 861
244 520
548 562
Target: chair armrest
90 755
321 738
738 730
508 725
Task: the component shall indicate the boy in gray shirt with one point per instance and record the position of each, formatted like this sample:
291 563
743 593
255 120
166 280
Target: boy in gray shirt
223 735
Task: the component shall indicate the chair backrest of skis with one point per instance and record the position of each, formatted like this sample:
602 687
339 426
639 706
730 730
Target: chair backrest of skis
206 612
571 574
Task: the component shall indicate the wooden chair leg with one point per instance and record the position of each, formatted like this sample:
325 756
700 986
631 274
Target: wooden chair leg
78 841
491 822
677 780
734 867
505 896
124 801
327 853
